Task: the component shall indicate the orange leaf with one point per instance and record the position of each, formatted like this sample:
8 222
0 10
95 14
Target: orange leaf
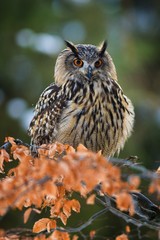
99 153
134 181
82 148
128 229
57 235
27 214
92 234
67 208
43 224
4 156
75 205
51 225
63 218
75 237
69 149
55 210
2 235
122 237
91 199
124 201
10 139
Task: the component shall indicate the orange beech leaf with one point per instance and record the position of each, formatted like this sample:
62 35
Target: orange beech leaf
75 205
99 153
107 187
51 225
41 237
92 234
11 140
21 152
151 188
69 149
51 189
67 208
55 210
155 187
40 225
43 151
134 181
4 156
128 230
59 147
44 224
124 201
61 189
2 234
91 199
71 205
27 214
57 235
75 237
63 218
52 151
122 237
82 148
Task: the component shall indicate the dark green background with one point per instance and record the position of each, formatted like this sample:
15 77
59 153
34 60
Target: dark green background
132 28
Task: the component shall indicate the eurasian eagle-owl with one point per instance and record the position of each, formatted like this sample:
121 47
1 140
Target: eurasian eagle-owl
85 104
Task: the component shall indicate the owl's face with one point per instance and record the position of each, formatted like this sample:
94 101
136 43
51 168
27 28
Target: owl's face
84 63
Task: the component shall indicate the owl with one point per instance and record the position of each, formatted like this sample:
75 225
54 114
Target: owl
85 104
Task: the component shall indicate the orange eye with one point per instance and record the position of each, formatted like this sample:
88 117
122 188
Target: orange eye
78 62
98 63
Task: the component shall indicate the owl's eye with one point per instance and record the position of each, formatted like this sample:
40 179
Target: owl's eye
78 62
98 63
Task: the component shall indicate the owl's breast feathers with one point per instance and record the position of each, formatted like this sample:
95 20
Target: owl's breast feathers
96 114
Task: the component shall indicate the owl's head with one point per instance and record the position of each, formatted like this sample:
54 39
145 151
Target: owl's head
84 62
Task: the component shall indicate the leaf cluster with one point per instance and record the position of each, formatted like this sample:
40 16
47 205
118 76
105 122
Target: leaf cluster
50 180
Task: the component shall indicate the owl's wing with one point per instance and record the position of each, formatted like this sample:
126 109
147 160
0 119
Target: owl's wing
43 127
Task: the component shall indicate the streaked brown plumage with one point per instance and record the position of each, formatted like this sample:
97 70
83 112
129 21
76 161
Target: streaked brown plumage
85 104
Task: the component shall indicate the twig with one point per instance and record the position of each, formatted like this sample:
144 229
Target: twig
145 173
126 217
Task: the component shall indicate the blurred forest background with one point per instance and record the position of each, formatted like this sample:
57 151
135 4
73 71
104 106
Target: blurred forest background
32 34
31 37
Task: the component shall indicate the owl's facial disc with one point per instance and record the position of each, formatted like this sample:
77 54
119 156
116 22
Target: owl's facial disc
87 60
87 69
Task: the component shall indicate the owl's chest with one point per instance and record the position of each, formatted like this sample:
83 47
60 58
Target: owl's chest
89 120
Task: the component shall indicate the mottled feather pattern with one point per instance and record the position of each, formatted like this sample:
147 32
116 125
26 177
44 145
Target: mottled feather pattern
79 108
47 112
89 114
99 117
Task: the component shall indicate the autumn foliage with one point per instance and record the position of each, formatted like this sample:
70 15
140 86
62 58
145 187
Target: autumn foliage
50 181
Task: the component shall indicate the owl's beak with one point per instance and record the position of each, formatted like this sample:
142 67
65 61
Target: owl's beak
89 72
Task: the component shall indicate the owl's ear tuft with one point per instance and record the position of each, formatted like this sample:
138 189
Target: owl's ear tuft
72 47
103 48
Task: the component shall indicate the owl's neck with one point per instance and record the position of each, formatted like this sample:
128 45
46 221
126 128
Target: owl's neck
79 90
